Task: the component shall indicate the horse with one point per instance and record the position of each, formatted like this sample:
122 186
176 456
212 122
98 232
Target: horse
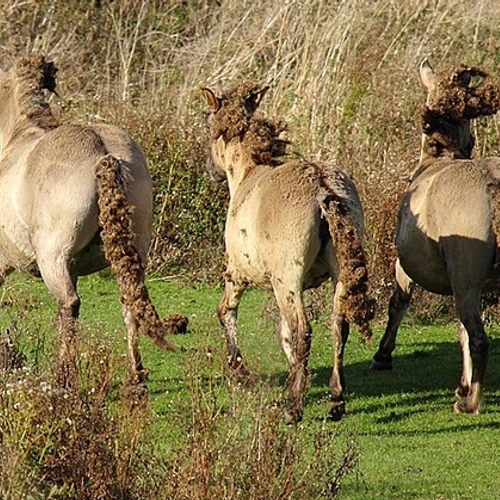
447 234
290 226
74 199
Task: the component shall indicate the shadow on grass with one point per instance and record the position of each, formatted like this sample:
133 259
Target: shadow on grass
420 380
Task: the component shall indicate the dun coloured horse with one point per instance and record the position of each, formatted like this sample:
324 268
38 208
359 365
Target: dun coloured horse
73 199
446 231
290 226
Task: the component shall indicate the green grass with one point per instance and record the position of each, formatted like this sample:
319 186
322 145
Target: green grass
411 444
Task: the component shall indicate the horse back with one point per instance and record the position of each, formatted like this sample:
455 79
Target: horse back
53 189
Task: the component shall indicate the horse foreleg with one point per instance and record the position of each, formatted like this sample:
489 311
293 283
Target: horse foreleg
340 334
398 306
227 311
295 338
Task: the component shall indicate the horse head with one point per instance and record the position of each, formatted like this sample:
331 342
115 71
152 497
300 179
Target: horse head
238 135
229 118
454 97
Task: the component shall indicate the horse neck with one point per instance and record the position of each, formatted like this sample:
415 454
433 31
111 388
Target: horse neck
24 118
8 119
239 164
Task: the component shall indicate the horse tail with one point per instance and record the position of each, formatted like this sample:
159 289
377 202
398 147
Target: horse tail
115 220
492 165
341 207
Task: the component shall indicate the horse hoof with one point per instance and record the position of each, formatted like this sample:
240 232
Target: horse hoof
464 406
337 411
293 416
381 363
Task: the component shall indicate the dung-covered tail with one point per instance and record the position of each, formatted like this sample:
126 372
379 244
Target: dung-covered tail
115 219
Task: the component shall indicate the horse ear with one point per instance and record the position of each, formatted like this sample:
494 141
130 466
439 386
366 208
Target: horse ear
427 74
211 99
464 77
253 101
49 76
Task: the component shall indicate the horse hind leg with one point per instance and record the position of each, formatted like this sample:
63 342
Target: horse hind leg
398 306
465 380
475 354
137 373
340 334
62 284
295 339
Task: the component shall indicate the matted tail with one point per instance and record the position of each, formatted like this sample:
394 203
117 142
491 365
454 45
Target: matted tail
115 219
357 307
493 166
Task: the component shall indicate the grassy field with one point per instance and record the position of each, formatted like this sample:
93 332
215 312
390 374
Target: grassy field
344 75
409 444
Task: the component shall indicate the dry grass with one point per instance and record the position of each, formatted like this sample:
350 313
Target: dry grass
343 74
93 444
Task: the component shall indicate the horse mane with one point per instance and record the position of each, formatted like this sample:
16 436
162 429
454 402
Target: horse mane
457 101
33 75
260 135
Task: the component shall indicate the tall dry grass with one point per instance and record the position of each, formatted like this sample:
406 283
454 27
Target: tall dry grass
343 73
95 443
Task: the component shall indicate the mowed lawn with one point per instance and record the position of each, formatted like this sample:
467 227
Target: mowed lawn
411 444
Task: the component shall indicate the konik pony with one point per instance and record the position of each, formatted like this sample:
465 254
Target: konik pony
447 234
290 226
74 199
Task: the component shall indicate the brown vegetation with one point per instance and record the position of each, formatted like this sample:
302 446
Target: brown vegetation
344 76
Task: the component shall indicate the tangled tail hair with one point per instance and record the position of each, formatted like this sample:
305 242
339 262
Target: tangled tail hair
356 305
115 219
